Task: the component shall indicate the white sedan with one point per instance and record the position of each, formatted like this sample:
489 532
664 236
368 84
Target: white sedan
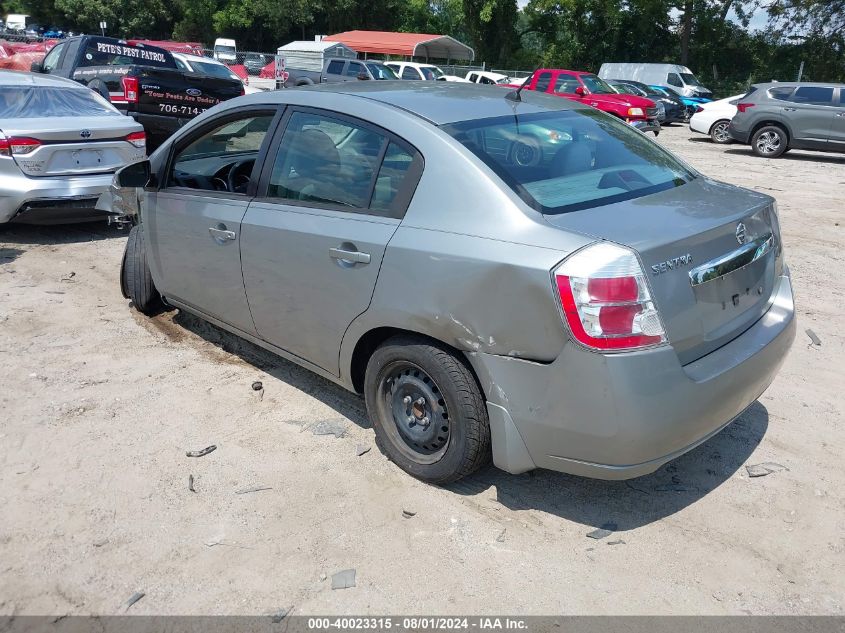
713 119
211 67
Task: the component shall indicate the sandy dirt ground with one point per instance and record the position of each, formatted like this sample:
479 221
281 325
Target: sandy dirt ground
99 404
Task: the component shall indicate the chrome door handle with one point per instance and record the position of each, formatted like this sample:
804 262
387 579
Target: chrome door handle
350 256
840 114
221 234
789 109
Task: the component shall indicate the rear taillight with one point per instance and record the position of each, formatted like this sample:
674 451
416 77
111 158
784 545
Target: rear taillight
699 109
742 107
606 301
130 89
138 139
243 90
17 145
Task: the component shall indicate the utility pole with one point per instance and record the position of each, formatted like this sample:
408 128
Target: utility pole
800 71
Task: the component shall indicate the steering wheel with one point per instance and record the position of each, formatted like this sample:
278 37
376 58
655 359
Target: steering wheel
237 181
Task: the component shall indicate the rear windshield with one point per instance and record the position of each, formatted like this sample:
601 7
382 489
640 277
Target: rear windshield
33 102
570 160
214 70
108 54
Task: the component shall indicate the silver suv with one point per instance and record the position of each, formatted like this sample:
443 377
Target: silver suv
776 117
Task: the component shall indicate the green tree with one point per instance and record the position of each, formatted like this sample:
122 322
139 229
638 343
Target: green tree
491 26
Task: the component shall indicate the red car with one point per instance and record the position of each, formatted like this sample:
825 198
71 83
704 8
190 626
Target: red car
588 88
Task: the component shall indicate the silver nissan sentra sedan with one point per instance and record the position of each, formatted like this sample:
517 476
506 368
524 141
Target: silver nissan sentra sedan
503 276
60 144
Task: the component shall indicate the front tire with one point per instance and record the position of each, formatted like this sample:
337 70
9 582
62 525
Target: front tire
136 282
719 132
769 141
427 410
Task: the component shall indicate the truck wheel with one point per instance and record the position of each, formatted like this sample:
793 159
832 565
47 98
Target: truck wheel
719 132
304 82
136 282
427 409
769 141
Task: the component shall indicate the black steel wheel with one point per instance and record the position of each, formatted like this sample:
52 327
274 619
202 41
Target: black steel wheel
427 409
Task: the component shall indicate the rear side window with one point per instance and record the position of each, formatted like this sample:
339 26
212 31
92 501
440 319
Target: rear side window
99 53
781 92
45 102
335 67
336 164
570 160
543 81
813 95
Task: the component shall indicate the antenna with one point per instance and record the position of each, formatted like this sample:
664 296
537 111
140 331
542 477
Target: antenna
513 95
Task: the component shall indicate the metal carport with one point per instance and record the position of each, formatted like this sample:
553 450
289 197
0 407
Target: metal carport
424 45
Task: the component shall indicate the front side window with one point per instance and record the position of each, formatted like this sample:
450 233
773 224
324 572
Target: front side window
570 160
354 69
410 73
566 84
596 85
813 95
674 80
381 72
432 73
222 158
690 79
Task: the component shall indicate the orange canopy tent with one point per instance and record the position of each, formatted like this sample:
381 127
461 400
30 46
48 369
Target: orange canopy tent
407 44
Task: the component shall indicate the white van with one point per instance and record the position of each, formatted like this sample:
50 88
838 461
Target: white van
225 50
680 78
17 22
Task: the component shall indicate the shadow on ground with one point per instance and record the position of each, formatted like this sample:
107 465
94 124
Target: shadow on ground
591 502
58 233
637 502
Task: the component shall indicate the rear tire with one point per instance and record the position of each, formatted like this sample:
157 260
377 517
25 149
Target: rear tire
427 410
719 132
769 141
136 282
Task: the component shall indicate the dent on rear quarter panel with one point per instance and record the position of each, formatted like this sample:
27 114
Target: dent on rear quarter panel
476 294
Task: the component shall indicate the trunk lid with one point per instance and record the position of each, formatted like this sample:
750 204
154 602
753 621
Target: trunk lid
695 228
76 146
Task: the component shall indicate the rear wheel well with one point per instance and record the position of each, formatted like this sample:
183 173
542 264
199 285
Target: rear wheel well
716 122
368 343
777 124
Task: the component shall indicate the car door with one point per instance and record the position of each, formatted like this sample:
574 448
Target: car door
194 220
810 113
837 132
333 192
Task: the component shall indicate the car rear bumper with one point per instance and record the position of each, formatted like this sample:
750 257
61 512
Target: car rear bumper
624 415
738 135
57 199
698 124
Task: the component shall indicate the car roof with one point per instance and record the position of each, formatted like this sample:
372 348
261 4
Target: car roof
795 84
439 102
21 78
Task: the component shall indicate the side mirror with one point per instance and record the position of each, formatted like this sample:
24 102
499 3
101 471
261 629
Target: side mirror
363 76
580 91
134 175
36 67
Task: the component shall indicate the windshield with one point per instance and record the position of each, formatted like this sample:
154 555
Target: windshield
380 71
624 89
569 160
432 73
596 85
41 101
226 50
689 79
214 70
